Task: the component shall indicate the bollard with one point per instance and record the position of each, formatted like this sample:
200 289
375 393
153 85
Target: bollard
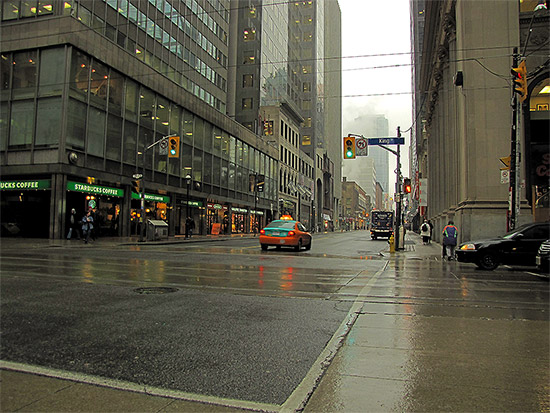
391 241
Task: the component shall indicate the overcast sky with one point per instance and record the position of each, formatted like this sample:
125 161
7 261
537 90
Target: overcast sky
376 33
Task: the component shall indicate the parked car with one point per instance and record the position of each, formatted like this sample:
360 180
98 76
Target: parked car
543 257
285 233
518 247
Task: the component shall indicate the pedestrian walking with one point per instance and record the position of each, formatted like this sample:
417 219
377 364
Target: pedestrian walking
425 232
189 227
431 231
450 235
87 226
73 225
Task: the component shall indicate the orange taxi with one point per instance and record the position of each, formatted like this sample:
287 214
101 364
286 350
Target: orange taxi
285 232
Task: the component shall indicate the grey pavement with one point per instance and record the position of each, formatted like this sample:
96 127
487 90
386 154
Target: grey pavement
377 364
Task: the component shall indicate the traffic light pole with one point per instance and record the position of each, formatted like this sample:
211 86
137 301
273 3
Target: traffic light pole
398 195
513 152
142 216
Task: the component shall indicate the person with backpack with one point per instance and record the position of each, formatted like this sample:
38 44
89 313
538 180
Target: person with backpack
73 225
450 235
425 232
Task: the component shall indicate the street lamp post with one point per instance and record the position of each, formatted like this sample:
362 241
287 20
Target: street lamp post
188 182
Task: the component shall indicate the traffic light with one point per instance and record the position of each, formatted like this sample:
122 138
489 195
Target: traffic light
174 147
135 187
520 80
407 185
349 147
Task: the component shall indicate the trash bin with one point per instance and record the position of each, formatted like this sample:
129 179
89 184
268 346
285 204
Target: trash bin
156 230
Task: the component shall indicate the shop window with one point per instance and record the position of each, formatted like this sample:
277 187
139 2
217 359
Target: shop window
48 121
24 73
114 135
129 143
10 9
95 144
80 69
76 124
52 64
22 123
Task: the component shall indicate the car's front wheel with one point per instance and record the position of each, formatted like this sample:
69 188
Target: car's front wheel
488 261
308 246
264 247
299 246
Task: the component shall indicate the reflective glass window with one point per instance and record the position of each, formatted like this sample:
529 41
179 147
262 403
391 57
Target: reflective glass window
22 123
116 90
188 128
76 124
24 73
3 125
10 9
131 100
199 133
207 174
197 165
99 82
28 8
163 115
52 64
129 143
80 69
48 121
146 107
5 71
114 137
96 134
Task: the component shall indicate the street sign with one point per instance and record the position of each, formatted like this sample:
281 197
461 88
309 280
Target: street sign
386 141
361 147
163 147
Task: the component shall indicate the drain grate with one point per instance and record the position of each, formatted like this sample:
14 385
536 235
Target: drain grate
155 290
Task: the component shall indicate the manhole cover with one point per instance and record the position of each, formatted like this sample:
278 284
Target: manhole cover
155 290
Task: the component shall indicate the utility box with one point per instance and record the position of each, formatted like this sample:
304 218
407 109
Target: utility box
156 230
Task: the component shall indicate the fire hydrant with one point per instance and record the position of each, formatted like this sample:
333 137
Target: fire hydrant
391 241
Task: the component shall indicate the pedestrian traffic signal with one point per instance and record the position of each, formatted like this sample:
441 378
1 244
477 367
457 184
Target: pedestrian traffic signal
349 147
174 147
520 80
135 187
407 185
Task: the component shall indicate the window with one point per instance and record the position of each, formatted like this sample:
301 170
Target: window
80 68
306 104
22 123
248 80
306 140
306 87
76 124
114 136
247 104
48 121
96 134
249 58
249 34
10 9
24 73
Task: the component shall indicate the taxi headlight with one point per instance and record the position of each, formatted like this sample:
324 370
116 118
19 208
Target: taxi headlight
468 247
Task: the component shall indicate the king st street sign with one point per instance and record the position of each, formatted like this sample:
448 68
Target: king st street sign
386 141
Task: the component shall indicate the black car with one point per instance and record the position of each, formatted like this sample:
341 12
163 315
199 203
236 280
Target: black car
518 247
543 257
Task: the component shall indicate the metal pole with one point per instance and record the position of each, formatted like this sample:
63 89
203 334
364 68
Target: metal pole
255 217
398 194
513 154
188 182
142 214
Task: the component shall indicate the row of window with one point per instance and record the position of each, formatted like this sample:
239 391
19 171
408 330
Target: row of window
112 117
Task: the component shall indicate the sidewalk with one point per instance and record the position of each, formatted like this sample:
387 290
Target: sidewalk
42 390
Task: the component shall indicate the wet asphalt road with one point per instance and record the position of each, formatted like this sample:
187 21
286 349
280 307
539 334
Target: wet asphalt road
241 323
249 325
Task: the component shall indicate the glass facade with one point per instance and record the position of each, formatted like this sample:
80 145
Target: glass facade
108 119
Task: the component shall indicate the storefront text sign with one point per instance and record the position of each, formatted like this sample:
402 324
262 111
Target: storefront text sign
153 197
94 189
22 185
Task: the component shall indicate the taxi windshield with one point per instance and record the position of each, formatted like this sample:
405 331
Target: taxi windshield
282 224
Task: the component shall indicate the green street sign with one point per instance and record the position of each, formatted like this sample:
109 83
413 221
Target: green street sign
94 189
25 185
152 197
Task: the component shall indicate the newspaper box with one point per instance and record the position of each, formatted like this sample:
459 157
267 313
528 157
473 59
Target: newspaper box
156 229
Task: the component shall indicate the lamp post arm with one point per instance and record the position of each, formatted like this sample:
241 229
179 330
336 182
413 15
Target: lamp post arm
159 141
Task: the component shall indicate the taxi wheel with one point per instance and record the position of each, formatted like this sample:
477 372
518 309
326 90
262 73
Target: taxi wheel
299 246
264 247
308 246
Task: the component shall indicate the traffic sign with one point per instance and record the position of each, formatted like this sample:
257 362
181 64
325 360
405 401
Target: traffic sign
361 147
386 141
163 147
